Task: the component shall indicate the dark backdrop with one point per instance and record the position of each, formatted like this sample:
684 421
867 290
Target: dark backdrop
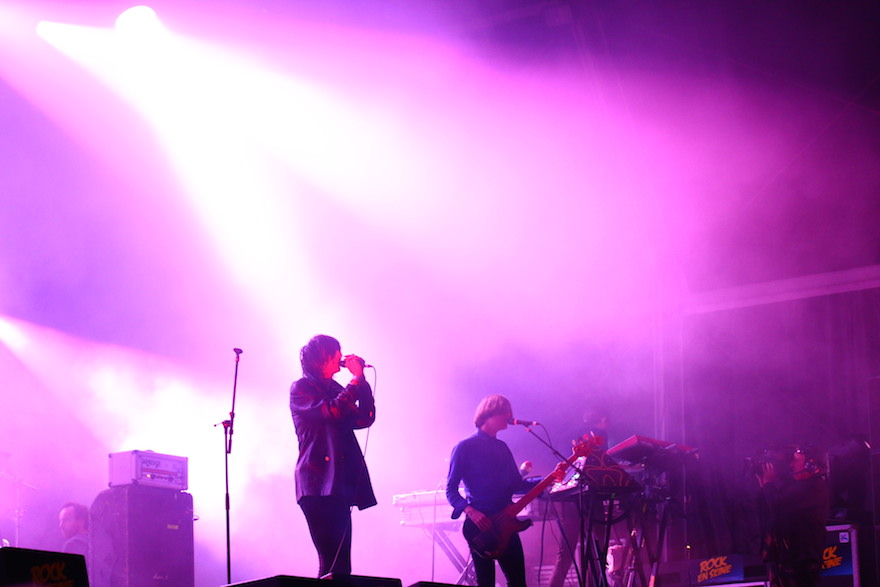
803 371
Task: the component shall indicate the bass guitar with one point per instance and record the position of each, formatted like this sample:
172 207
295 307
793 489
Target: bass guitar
491 543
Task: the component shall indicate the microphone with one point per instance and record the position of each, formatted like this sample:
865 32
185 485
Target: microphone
237 351
364 364
515 422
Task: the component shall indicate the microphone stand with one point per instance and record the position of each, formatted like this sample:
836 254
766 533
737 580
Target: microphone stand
227 450
18 513
581 481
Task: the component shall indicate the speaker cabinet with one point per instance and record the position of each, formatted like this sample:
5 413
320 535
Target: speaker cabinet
281 581
841 557
21 566
352 581
142 537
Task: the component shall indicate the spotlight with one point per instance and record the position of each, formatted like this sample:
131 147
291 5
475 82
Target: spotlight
11 335
138 22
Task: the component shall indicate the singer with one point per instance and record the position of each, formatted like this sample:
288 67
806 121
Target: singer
491 477
331 473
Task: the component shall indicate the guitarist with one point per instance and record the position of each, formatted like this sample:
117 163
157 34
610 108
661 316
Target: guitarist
491 477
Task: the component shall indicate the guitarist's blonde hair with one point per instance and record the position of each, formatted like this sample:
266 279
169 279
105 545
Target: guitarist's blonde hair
491 405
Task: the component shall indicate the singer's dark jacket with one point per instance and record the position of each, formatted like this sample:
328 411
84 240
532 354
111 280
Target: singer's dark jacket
330 462
489 472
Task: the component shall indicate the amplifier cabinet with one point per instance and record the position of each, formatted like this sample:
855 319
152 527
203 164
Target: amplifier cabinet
145 467
142 537
840 560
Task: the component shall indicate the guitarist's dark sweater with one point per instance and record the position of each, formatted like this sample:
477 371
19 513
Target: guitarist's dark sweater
489 472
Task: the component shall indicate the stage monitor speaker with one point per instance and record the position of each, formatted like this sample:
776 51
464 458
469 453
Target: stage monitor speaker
21 566
351 581
745 570
840 566
281 581
142 537
431 584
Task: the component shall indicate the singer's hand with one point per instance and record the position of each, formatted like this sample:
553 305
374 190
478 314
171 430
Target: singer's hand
355 364
482 521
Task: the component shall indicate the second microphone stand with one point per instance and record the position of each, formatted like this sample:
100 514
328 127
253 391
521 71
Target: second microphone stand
590 552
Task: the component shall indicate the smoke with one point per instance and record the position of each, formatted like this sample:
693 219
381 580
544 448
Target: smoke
468 221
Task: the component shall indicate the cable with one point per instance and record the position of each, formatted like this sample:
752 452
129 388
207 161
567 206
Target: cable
360 479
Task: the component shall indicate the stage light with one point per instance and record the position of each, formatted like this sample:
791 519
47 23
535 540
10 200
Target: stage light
11 335
139 22
46 29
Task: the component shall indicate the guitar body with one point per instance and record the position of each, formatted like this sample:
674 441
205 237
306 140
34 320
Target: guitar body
493 542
